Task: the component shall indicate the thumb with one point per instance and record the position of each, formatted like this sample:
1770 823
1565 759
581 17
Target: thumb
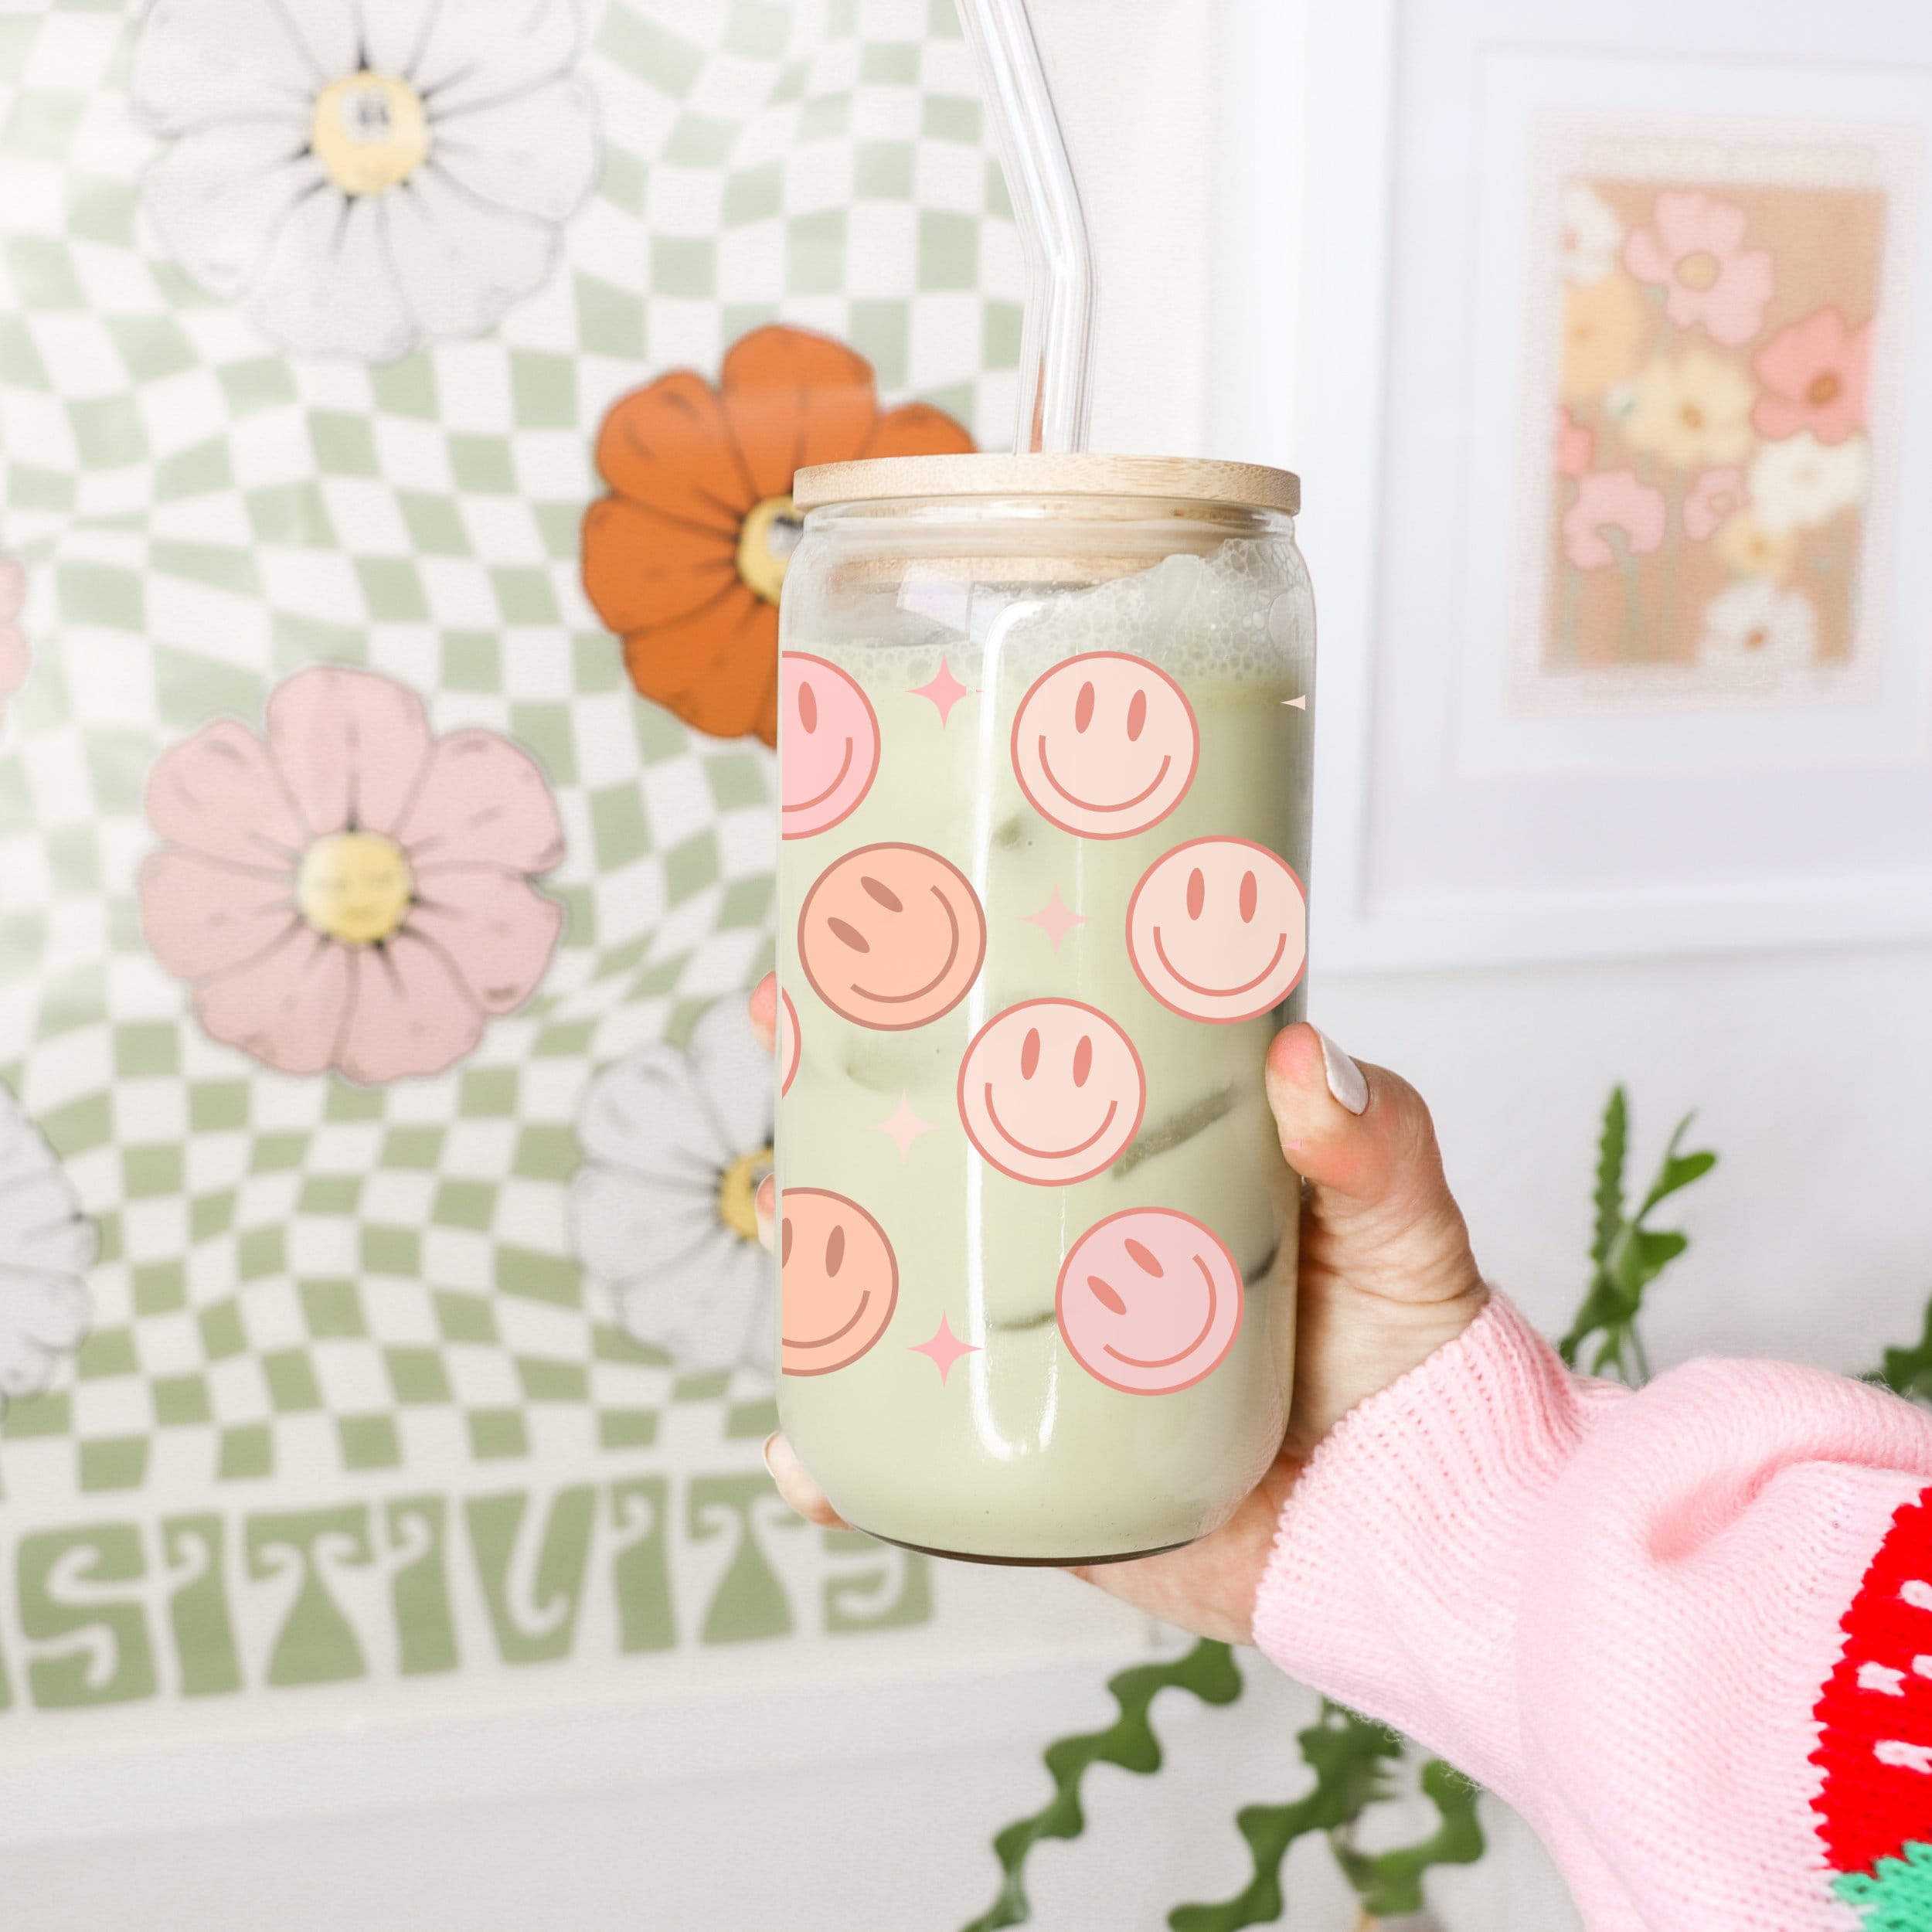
763 1006
1379 1219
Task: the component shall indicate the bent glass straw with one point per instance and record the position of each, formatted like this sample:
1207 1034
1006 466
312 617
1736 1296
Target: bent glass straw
1057 344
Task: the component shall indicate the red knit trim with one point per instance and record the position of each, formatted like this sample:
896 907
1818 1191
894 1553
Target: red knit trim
1875 1714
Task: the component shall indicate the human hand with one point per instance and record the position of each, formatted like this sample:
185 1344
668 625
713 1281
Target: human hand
1386 1277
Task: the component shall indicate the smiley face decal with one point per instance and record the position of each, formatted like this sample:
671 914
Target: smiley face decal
839 1281
787 1043
1105 745
1051 1091
831 753
891 936
1218 930
1149 1300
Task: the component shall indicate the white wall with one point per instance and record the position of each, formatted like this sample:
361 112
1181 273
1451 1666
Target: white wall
1812 1073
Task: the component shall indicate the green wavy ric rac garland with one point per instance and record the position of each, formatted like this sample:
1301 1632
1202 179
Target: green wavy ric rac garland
1351 1759
1207 1670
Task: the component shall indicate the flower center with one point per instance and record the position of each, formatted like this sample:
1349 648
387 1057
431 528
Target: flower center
766 540
1700 270
1823 390
738 1193
370 131
1758 639
1693 417
355 887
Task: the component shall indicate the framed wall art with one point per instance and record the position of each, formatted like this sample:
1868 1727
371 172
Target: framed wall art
1615 413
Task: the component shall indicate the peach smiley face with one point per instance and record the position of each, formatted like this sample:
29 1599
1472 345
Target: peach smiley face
891 936
1150 1301
1105 745
1051 1091
839 1281
1218 930
829 754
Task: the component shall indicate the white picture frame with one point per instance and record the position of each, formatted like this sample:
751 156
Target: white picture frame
1449 830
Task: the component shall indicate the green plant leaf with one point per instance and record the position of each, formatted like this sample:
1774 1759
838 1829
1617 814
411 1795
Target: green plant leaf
1612 1149
1908 1371
1641 1257
1626 1257
1350 1757
1207 1670
1389 1883
1678 1170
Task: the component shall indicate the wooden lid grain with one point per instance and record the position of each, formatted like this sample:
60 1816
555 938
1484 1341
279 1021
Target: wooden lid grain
1086 474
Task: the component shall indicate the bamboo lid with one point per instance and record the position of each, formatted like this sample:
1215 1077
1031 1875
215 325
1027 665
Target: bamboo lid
1084 475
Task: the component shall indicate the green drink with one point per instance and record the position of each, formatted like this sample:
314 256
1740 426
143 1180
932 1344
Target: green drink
1040 911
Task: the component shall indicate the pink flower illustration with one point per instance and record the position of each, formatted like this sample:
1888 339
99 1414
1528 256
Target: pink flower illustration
1575 445
14 656
1612 500
1815 372
1712 498
349 890
1692 249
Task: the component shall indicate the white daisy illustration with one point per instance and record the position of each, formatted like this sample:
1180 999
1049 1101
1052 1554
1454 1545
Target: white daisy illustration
676 1140
1799 481
46 1250
361 175
1592 235
1755 623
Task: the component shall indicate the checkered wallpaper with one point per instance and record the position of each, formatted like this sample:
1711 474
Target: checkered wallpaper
306 1290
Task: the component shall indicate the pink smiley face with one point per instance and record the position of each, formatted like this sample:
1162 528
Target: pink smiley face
1218 930
787 1043
1149 1300
1051 1091
830 753
1105 745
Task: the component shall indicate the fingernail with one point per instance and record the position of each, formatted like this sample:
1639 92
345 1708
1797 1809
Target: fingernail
1345 1081
765 1451
766 1196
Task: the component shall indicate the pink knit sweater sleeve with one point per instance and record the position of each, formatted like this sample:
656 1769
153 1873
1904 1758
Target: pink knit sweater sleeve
1687 1631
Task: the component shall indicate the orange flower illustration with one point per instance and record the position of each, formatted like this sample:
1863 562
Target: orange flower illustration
685 558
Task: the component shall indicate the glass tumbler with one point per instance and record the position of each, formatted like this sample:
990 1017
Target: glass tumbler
1044 749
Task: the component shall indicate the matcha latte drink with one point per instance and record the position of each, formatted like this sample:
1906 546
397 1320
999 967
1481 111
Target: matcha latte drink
1044 748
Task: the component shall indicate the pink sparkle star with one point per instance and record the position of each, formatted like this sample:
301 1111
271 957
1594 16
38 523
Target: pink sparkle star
945 1348
905 1127
1300 704
945 691
1055 921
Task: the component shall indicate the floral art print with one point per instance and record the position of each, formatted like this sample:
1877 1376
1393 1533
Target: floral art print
1711 434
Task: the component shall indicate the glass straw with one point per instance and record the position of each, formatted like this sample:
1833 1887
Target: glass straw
1057 344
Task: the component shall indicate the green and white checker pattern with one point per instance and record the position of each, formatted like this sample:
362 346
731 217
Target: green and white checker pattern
301 1280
